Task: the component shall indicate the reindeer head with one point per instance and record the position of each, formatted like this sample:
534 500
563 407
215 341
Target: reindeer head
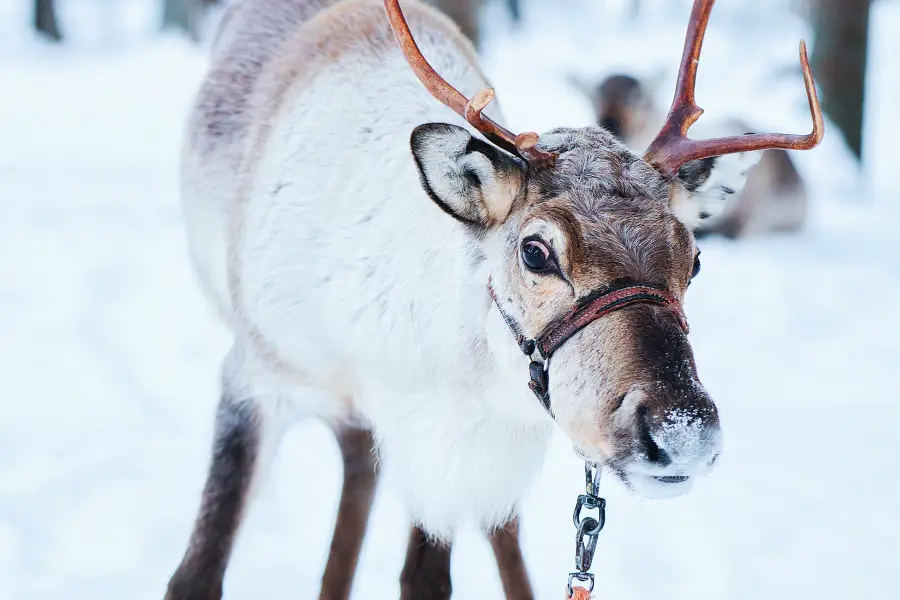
623 105
591 252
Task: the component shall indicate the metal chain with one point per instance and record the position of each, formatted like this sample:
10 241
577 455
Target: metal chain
587 529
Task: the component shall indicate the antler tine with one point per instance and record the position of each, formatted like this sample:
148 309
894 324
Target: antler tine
672 148
522 145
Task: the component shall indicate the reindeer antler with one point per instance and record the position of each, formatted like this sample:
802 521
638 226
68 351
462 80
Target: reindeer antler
522 145
671 148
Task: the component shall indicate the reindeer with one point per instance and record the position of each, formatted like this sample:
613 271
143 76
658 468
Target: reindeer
774 198
407 273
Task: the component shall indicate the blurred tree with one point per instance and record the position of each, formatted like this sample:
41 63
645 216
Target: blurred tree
179 14
186 15
515 10
839 62
465 13
45 20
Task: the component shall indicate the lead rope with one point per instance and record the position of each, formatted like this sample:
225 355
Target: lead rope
587 530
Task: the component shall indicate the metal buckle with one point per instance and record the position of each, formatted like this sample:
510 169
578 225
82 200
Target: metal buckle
583 578
588 527
539 383
590 502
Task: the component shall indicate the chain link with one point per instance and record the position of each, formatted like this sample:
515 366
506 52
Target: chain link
587 529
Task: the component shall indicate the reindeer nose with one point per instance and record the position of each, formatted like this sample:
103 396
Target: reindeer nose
676 429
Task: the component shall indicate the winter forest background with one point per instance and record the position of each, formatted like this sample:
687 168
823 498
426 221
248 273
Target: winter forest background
109 356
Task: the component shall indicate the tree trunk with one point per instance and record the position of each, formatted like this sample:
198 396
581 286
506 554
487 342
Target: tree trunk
183 15
45 20
515 10
839 62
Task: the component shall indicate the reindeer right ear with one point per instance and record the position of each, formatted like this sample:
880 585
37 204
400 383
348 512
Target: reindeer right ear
710 183
469 179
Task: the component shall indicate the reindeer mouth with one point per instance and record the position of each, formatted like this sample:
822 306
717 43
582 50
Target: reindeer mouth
649 486
672 478
657 486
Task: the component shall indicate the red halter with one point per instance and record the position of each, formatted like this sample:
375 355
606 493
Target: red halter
580 316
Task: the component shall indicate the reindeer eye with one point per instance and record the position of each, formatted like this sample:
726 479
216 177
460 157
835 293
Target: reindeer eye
536 256
696 270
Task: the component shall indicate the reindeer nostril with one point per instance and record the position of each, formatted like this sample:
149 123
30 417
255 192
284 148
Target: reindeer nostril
654 453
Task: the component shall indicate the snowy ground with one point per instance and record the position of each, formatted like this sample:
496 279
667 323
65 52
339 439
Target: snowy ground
109 355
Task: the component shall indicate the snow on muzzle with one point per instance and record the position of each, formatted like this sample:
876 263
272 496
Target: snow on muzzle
626 391
674 436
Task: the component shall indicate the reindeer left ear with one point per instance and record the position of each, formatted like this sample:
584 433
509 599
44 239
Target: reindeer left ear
467 178
708 184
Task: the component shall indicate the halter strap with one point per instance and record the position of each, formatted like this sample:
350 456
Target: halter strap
589 310
584 313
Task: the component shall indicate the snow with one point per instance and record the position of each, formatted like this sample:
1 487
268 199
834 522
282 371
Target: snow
110 355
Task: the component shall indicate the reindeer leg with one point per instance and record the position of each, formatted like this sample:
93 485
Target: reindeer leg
513 573
360 479
426 574
238 432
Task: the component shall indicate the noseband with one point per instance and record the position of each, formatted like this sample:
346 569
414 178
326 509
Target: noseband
584 313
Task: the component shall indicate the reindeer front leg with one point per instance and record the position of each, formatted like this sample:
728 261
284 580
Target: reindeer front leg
508 553
236 449
426 573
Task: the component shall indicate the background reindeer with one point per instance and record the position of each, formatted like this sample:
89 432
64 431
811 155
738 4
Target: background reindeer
385 270
774 198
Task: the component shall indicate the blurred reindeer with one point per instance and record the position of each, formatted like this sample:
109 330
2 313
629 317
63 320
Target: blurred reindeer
774 198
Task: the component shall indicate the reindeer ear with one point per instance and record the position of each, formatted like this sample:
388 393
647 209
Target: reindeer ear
467 178
708 184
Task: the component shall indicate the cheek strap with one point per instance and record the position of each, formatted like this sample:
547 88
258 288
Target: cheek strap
585 312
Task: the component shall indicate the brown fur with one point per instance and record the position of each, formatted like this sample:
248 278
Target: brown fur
613 211
200 574
357 493
513 573
426 572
